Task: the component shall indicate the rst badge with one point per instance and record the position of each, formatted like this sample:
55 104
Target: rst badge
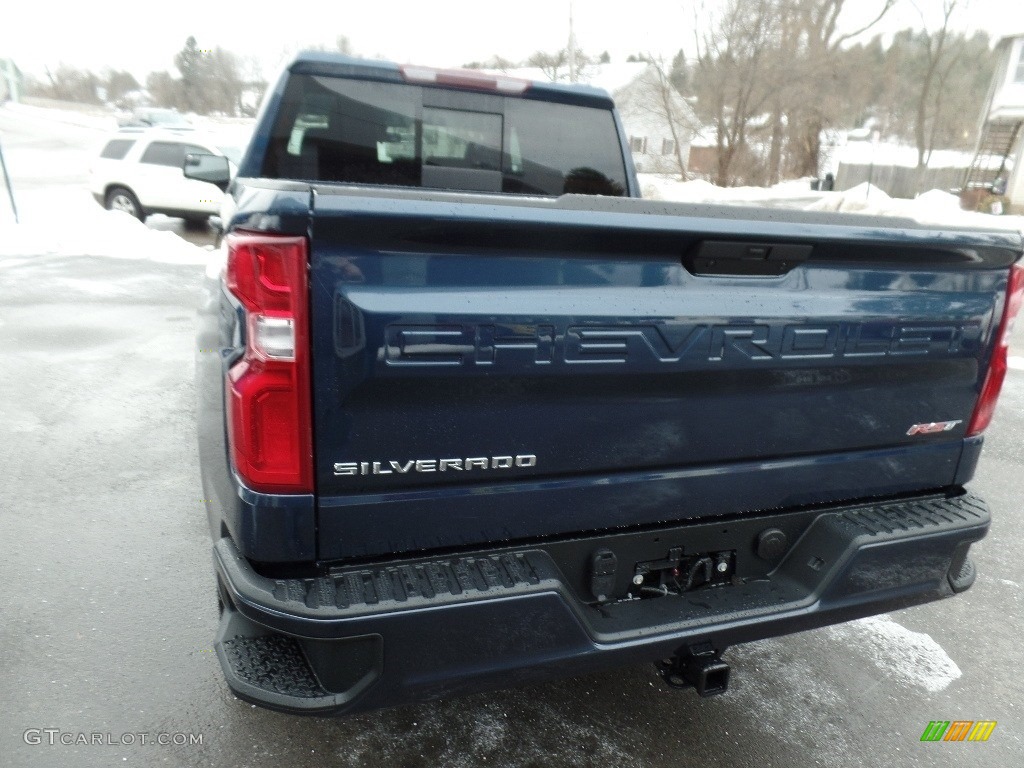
933 427
392 467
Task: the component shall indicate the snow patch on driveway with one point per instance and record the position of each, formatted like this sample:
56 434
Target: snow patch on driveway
911 657
792 686
477 731
788 693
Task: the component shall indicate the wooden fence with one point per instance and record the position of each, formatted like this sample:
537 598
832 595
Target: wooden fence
898 180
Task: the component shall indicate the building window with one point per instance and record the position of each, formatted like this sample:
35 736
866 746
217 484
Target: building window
638 145
1019 77
668 146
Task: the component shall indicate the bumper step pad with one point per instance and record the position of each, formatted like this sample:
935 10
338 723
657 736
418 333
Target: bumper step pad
358 591
272 663
918 516
398 585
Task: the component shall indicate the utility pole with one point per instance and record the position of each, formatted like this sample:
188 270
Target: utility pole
7 181
573 70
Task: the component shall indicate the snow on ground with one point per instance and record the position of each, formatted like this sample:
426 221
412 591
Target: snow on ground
789 683
48 154
37 166
887 153
933 207
102 119
98 119
911 657
789 194
83 228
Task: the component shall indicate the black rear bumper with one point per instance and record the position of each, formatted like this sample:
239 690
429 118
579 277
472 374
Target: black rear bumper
374 636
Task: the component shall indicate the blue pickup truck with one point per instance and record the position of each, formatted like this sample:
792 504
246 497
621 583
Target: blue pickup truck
473 415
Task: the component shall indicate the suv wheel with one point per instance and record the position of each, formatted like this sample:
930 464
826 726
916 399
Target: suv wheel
121 199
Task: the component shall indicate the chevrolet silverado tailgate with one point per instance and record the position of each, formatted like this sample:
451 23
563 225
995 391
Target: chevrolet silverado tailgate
501 369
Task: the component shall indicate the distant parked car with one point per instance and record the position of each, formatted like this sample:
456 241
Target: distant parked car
139 171
155 117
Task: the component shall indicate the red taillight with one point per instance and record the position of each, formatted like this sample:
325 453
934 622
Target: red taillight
997 368
464 78
268 390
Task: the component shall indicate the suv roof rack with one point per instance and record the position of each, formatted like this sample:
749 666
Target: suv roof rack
178 130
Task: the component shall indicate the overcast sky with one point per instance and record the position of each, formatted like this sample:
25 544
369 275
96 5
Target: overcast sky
142 37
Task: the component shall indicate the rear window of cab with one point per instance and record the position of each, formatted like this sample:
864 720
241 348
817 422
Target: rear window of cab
352 131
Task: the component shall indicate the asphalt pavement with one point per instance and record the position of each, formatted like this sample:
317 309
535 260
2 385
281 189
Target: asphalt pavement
109 611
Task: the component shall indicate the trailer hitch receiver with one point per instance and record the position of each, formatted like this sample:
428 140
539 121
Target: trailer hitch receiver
701 668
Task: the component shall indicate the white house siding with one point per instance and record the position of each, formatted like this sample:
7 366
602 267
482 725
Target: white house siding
1009 92
644 116
655 135
1007 105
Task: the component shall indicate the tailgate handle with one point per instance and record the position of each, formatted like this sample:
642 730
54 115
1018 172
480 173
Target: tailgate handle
720 257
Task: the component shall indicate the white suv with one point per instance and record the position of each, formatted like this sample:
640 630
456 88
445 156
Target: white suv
139 171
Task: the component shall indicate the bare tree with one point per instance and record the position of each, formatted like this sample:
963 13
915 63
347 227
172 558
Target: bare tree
732 89
555 66
770 78
163 89
118 84
223 84
773 76
69 83
785 91
550 63
819 62
495 62
940 59
255 84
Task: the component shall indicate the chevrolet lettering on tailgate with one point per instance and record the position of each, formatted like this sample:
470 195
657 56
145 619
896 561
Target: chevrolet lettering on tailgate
669 343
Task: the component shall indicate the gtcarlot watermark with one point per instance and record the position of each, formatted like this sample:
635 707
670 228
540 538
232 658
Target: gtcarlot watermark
55 736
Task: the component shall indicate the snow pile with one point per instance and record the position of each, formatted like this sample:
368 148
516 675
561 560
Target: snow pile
788 194
900 653
94 231
869 199
934 207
